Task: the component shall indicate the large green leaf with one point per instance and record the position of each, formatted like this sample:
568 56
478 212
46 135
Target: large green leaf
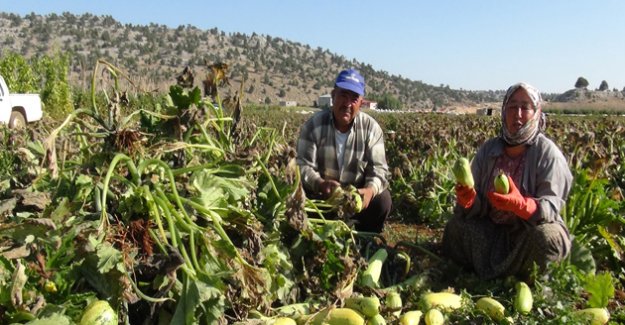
582 258
108 257
204 293
55 319
184 99
278 264
216 191
601 289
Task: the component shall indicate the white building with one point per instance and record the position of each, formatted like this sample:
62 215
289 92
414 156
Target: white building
324 101
369 104
288 103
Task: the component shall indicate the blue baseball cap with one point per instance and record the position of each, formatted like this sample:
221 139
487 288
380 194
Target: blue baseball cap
351 79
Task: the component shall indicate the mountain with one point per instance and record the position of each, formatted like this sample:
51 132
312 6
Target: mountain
586 95
272 69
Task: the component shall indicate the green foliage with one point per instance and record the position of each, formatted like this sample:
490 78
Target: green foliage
425 188
581 257
604 110
601 289
581 83
588 207
386 101
183 99
232 232
604 86
18 73
8 158
55 93
19 158
44 75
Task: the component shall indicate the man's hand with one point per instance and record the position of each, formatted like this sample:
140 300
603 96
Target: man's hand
327 187
367 195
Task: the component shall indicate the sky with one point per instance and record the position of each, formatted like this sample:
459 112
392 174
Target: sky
470 45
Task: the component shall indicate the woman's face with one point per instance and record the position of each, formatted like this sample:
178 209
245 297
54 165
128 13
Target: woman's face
519 109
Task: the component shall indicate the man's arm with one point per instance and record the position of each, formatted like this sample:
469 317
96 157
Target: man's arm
307 159
377 168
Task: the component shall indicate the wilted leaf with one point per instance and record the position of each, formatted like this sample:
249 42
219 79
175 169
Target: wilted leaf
610 238
18 282
7 206
34 200
48 223
18 252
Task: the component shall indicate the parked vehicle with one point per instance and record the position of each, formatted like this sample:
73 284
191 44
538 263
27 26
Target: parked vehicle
18 109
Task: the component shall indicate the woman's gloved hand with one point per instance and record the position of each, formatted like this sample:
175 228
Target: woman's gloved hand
514 202
465 195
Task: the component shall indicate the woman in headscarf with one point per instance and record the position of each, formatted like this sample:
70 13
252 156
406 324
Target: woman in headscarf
500 235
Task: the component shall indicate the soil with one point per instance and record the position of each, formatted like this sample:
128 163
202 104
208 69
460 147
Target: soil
397 231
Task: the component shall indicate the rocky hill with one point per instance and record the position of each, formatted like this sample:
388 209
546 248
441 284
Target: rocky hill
271 69
583 94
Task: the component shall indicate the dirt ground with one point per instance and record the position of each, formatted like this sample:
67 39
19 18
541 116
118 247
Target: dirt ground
397 231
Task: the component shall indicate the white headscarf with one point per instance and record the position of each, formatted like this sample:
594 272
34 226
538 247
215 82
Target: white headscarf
527 134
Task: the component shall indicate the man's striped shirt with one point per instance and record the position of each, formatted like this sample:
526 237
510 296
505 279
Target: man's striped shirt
364 161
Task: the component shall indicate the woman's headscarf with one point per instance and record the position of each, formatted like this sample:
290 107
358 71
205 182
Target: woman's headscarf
527 134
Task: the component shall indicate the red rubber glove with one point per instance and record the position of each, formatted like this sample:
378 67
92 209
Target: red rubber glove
465 196
514 202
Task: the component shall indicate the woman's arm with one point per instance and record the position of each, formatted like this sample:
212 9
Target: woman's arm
553 183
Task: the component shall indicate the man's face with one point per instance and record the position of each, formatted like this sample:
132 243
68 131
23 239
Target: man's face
345 106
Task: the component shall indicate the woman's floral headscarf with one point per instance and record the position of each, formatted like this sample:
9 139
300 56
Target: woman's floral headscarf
527 134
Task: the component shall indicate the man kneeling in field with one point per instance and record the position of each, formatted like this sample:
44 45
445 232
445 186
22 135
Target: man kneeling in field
344 146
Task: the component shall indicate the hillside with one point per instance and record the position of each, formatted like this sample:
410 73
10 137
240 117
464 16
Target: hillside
273 69
269 69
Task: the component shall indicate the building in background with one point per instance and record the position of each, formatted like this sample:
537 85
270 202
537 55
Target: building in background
324 101
288 103
369 104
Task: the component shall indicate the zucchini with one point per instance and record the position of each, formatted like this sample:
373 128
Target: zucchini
371 276
284 321
491 307
344 316
501 183
376 320
393 303
368 306
99 312
597 316
441 300
523 300
462 172
410 318
434 317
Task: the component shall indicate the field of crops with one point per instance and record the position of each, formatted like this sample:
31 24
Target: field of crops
174 211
